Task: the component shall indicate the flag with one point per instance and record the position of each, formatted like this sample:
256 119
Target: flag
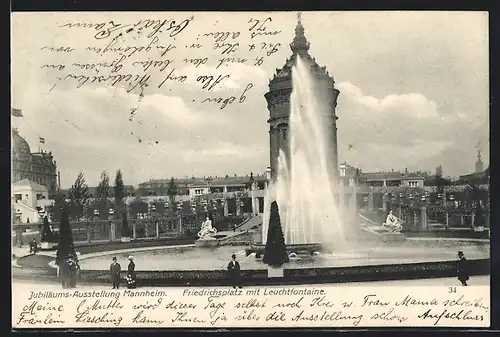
42 140
17 112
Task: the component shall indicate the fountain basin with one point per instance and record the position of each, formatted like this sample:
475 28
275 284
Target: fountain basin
216 258
308 248
189 265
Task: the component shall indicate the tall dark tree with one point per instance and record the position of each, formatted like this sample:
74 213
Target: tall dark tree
275 254
101 198
66 247
54 210
47 235
102 191
476 199
172 193
119 192
79 196
125 228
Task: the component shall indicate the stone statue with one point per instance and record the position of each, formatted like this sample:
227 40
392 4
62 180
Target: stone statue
393 223
207 231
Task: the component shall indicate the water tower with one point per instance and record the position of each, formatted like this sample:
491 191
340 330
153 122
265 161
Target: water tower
278 100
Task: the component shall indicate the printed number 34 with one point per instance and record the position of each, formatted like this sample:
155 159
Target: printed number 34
452 290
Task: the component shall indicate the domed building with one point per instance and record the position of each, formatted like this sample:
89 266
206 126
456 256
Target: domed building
278 100
39 167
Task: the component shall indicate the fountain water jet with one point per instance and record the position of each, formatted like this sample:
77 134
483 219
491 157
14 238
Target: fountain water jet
305 186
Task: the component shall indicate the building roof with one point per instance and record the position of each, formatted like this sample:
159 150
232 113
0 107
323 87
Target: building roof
19 144
390 175
32 184
214 181
299 46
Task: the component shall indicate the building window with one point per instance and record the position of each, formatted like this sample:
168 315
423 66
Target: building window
198 192
413 183
18 197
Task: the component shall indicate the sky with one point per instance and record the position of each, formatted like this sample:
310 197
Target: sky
414 92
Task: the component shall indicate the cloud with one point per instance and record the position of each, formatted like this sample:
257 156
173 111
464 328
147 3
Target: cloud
400 130
222 150
415 104
174 109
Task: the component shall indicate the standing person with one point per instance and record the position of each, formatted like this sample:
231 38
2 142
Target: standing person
462 270
234 272
33 246
115 270
131 284
73 272
131 267
63 274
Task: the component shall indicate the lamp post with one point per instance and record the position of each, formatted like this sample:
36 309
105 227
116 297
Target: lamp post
112 225
205 207
168 213
179 214
41 217
194 210
154 218
97 218
385 200
19 229
238 208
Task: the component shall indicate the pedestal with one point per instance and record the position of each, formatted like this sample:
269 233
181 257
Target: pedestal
274 272
134 230
112 232
370 201
179 228
206 243
252 198
46 245
423 218
89 233
353 202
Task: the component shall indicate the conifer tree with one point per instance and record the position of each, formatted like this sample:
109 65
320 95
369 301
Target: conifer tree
119 192
275 254
66 247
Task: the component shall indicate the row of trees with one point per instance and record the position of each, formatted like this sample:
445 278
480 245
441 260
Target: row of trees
81 203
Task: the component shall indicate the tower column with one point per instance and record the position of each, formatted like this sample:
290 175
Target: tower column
274 149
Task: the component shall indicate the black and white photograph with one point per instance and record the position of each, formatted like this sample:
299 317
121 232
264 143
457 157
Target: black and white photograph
250 169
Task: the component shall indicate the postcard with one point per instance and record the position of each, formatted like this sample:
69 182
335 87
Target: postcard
250 169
